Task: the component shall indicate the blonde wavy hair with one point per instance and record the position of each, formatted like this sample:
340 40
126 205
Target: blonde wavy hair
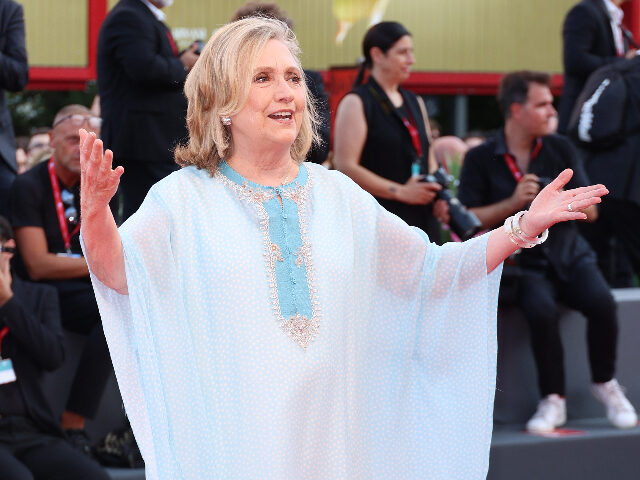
218 86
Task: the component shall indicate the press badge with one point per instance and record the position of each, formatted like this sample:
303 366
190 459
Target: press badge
7 375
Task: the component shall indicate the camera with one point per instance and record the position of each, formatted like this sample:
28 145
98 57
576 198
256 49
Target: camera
462 222
200 44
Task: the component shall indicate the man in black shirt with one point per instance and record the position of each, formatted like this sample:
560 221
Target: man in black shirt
32 445
45 213
503 176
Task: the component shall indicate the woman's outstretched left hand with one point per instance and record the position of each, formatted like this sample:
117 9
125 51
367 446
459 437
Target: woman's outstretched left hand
554 204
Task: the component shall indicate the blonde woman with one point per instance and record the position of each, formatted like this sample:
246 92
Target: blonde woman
268 319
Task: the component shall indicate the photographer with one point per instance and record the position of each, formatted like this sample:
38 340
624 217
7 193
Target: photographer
381 134
502 176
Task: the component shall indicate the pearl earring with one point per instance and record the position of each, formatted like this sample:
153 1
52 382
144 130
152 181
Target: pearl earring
225 120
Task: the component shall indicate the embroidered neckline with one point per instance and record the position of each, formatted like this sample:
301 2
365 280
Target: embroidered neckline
301 328
226 170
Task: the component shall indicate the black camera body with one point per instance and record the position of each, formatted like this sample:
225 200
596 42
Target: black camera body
461 221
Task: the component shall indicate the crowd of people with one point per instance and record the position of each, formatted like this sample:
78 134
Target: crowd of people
208 170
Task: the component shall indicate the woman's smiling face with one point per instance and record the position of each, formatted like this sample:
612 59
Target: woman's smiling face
272 114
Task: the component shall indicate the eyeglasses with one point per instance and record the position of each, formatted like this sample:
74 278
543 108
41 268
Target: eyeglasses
78 120
6 249
70 211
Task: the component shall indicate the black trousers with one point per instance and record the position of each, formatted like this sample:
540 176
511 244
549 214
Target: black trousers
26 453
586 291
617 229
136 181
79 313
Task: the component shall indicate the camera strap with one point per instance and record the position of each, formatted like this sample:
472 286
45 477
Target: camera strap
57 197
513 166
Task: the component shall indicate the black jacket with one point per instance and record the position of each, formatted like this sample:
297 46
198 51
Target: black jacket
588 44
34 344
14 72
140 82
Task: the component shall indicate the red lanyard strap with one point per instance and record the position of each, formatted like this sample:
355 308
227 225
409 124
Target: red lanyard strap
3 333
511 162
409 123
62 220
413 131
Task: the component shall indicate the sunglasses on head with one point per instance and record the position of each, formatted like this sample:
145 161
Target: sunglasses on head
78 120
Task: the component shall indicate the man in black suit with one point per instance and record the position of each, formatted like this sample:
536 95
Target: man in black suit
32 444
14 74
593 36
140 80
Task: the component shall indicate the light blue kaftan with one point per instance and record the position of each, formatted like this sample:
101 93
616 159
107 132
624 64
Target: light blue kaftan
317 338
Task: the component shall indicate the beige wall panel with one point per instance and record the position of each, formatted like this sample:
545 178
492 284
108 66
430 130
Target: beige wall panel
449 35
56 32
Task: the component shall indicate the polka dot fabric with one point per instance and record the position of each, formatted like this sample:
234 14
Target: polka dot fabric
398 382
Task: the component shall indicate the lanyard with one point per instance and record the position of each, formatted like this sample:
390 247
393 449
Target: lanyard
3 333
409 123
511 162
62 220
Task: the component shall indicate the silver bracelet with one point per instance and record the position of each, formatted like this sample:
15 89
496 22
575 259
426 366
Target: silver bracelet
517 236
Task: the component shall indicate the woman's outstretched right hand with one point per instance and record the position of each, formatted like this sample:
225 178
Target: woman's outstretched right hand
98 184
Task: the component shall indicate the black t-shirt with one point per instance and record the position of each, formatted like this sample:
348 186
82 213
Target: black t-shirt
31 204
486 179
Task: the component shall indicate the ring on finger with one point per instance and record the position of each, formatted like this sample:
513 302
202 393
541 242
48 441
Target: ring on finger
570 208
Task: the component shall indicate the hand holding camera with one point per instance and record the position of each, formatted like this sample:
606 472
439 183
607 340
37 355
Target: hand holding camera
461 221
417 192
526 190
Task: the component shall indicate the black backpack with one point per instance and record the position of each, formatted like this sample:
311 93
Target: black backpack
599 118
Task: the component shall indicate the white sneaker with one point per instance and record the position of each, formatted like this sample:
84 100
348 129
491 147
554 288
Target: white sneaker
620 412
551 413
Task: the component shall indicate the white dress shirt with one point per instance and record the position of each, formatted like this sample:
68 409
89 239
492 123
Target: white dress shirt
616 15
159 14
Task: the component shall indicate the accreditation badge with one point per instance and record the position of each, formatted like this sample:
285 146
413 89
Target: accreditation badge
7 375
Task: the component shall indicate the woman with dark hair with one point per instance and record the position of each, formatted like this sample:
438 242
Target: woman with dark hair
382 138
